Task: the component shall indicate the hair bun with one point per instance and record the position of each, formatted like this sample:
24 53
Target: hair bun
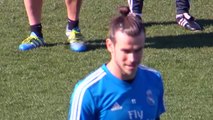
124 10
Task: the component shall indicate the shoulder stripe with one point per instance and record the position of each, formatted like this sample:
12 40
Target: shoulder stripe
80 91
156 72
147 68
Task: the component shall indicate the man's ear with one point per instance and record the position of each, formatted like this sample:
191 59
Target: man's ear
109 45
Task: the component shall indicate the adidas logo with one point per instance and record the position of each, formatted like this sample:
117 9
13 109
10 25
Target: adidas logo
116 106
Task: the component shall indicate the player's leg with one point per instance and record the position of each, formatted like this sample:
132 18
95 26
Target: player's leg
183 17
73 33
136 6
33 9
182 6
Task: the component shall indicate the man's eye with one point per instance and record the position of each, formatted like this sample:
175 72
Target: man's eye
127 51
138 50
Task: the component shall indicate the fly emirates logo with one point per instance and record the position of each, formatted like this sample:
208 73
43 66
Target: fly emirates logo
135 114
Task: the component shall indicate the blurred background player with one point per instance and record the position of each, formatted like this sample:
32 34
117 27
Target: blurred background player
183 18
34 12
75 38
36 39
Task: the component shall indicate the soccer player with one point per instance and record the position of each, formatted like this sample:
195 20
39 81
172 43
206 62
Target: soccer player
34 10
122 89
183 18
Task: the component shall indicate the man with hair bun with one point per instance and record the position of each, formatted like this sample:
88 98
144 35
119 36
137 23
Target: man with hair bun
121 89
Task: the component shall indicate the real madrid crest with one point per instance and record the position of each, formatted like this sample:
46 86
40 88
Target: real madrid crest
149 97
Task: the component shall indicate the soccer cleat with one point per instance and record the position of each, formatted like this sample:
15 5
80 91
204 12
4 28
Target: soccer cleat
76 40
187 21
33 41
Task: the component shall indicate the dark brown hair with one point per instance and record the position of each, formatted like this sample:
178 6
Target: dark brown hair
127 23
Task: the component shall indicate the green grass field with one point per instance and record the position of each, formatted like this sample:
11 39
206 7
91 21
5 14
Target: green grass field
36 85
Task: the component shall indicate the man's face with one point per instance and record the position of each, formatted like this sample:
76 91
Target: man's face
126 54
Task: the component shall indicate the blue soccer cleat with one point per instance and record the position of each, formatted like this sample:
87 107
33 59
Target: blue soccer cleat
76 40
33 41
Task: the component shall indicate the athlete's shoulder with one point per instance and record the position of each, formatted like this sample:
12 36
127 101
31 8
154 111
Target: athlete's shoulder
149 70
91 79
